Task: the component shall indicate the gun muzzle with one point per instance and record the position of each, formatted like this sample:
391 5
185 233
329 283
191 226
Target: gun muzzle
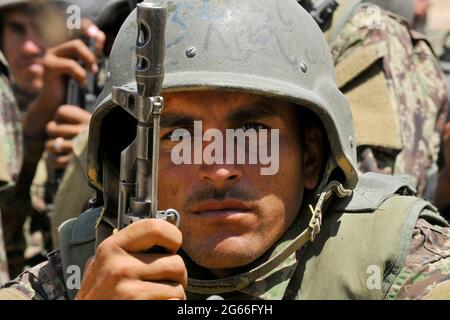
150 47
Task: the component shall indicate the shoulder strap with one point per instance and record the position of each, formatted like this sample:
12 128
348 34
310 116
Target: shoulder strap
373 189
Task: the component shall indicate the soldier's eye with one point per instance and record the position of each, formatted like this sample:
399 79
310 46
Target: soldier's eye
17 28
176 135
253 125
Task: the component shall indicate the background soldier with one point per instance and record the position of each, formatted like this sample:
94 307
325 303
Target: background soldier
27 33
242 234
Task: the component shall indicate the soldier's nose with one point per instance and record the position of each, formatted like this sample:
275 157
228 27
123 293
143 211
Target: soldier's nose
220 175
31 47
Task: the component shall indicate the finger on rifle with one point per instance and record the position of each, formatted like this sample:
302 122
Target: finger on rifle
77 50
64 148
160 267
72 115
89 29
66 131
148 233
65 66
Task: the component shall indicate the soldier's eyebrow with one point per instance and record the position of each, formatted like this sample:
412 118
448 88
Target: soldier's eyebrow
172 120
255 111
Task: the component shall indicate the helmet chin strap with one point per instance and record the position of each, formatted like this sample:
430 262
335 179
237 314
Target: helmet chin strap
323 193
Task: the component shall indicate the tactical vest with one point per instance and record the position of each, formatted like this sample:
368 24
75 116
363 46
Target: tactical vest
363 238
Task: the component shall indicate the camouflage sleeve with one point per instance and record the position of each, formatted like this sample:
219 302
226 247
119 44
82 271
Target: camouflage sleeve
426 272
42 282
10 136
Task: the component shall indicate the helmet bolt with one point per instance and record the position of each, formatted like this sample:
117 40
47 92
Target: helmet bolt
303 67
191 52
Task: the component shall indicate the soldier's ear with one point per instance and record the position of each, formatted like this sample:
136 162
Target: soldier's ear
313 151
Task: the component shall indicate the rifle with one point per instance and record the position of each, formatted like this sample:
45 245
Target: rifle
138 198
85 98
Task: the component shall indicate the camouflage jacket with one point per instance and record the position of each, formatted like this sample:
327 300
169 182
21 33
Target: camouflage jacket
397 92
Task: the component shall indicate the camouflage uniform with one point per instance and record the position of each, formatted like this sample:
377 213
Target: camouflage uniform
10 150
385 63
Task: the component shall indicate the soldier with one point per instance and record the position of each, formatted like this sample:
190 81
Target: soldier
389 146
38 80
243 234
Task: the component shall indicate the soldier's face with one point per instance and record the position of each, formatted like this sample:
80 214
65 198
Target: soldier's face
23 50
232 213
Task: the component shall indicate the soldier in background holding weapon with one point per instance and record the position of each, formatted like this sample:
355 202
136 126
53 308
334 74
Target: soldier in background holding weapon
43 121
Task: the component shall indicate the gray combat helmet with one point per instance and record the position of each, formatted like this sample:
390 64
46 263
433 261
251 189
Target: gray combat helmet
267 47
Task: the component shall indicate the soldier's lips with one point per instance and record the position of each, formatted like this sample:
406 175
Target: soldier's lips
221 209
36 64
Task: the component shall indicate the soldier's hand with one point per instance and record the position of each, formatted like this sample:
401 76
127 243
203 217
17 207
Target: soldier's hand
68 122
121 270
60 62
